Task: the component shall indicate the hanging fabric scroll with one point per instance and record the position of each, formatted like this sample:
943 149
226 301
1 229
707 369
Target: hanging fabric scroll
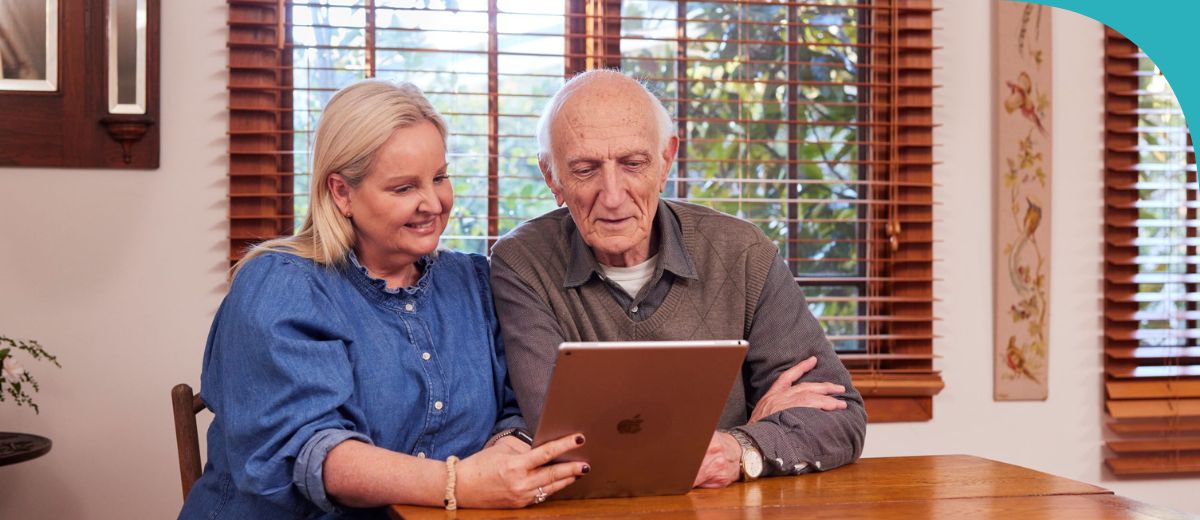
1021 272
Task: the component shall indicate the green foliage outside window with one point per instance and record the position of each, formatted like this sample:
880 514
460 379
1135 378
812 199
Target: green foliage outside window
738 94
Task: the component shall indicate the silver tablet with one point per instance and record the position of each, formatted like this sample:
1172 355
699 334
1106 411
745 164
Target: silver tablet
647 408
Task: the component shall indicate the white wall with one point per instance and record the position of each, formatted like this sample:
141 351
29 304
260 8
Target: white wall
119 273
1062 435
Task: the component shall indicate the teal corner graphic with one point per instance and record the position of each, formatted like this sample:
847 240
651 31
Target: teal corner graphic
1166 30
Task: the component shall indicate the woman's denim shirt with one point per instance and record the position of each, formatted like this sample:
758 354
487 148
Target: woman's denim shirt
302 357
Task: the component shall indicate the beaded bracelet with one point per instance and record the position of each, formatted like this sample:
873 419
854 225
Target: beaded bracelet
451 501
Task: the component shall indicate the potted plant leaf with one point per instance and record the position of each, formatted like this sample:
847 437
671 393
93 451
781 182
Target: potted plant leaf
16 382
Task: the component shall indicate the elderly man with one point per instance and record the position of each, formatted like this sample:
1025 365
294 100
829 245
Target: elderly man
620 264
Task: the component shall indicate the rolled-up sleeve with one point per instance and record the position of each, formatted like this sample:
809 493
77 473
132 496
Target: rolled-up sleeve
280 379
309 472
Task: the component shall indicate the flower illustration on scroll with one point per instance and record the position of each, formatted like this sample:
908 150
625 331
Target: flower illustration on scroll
1025 354
1023 211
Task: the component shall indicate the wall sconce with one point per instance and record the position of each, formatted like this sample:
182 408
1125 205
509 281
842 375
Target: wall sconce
126 43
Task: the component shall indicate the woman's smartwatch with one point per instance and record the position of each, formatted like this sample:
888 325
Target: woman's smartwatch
519 433
752 459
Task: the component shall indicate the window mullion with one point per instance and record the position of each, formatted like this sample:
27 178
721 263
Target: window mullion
369 35
793 133
493 162
681 95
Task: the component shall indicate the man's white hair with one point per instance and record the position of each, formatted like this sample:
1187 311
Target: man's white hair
666 126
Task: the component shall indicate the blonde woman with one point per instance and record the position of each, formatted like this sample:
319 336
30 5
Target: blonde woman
351 364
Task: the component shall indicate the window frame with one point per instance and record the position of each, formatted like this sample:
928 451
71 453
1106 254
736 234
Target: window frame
895 374
1151 391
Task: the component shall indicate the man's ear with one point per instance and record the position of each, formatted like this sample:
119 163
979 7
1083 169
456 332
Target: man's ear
668 158
548 176
340 191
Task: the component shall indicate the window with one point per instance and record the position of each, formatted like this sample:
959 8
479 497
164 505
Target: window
1151 319
810 119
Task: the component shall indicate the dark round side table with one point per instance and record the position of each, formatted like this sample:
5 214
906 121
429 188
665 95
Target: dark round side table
20 447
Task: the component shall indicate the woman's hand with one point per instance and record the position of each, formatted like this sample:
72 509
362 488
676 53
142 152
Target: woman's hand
784 394
501 477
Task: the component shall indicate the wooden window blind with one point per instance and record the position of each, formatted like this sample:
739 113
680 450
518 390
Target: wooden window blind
810 119
1151 357
261 172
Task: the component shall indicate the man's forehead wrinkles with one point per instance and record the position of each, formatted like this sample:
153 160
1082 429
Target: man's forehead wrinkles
582 108
583 129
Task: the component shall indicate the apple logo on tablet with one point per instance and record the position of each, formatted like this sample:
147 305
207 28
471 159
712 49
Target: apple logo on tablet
633 425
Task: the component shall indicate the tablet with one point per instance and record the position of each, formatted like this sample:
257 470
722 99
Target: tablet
648 410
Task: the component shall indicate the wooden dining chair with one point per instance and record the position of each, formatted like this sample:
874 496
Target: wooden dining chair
186 405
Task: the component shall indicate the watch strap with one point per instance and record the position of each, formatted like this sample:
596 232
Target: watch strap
747 444
519 433
744 440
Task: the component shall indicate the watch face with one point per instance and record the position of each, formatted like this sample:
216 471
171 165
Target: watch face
752 463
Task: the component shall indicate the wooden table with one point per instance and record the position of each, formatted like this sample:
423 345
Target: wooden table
941 486
20 447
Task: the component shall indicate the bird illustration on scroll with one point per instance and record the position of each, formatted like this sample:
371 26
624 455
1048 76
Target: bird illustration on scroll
1023 141
1026 264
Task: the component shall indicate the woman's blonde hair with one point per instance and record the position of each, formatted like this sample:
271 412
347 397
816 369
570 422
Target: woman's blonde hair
354 125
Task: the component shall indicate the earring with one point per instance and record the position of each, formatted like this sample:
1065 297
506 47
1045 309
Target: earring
347 215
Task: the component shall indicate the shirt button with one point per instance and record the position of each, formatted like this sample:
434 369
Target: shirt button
408 307
437 405
634 309
420 454
425 356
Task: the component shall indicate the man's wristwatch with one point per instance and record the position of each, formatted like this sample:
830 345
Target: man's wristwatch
519 433
752 459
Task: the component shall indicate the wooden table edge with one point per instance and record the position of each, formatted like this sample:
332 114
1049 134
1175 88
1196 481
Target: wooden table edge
395 510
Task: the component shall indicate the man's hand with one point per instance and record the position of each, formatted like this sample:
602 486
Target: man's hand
784 394
722 462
